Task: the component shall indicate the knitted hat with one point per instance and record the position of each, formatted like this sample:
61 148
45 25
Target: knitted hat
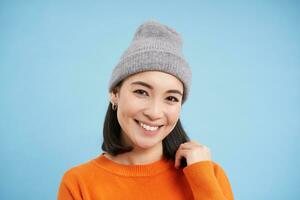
155 47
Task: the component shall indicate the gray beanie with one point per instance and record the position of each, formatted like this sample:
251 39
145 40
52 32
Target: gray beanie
155 47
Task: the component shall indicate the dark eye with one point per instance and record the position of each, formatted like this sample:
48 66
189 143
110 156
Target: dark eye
173 99
141 92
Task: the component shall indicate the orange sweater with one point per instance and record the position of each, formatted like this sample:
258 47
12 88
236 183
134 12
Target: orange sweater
104 179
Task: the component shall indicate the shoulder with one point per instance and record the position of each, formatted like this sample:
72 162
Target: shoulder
78 172
73 179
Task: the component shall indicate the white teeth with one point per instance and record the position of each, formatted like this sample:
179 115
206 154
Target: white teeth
149 128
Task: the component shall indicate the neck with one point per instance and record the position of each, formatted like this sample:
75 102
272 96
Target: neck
138 156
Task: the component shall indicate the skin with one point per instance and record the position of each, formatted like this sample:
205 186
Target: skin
153 106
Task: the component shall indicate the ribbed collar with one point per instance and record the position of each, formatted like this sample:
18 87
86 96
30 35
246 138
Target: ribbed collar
133 170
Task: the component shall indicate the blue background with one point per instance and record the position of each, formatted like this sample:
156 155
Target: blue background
56 58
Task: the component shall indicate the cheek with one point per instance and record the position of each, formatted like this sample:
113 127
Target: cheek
128 107
173 115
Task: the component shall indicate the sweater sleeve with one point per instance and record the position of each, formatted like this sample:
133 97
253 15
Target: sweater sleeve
69 187
208 181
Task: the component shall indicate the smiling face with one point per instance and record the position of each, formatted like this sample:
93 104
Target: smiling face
149 105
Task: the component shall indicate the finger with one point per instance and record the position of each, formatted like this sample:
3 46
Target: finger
196 144
180 154
205 147
188 145
193 142
177 161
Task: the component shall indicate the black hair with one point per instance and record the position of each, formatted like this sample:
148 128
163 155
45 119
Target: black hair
112 142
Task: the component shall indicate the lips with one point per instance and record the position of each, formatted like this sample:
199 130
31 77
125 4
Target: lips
148 130
148 124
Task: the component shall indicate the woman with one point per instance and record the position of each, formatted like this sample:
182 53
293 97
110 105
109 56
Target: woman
146 152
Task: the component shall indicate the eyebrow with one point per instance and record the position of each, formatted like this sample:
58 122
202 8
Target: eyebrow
150 87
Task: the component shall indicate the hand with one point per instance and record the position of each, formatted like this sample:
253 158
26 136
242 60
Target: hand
193 152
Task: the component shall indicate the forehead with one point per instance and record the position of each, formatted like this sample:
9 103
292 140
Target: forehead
156 79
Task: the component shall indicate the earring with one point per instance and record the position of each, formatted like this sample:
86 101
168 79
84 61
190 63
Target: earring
114 106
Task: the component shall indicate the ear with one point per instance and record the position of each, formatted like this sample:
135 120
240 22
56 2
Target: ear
114 96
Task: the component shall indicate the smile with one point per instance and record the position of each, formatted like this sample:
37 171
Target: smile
148 127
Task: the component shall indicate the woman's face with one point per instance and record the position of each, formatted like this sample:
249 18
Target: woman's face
149 105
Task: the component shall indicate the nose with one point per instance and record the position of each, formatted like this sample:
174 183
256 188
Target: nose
154 110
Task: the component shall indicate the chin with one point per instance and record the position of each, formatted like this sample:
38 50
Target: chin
145 144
